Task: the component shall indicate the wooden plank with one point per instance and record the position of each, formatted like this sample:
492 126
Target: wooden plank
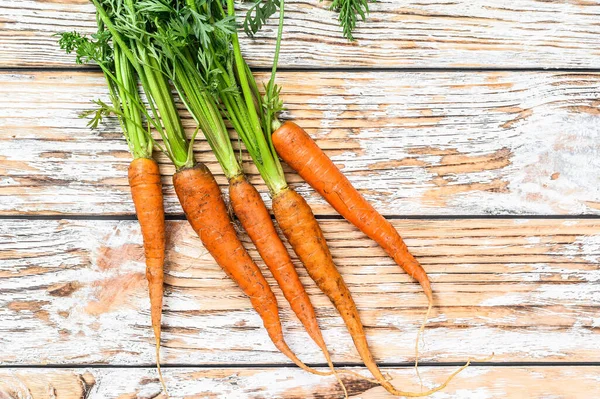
414 143
254 383
436 33
73 292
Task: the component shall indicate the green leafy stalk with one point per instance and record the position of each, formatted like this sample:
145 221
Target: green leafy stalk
206 113
129 33
122 85
349 11
223 68
258 14
132 116
273 104
175 31
251 130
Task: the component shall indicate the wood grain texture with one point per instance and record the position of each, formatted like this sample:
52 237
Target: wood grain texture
73 292
289 383
432 33
413 143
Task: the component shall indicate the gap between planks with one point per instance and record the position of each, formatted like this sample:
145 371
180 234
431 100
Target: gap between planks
92 68
293 366
180 216
479 382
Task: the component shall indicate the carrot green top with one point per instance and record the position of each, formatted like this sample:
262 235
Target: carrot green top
119 21
176 33
218 56
122 87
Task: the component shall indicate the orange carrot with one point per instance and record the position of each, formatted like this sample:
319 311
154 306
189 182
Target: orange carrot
256 220
206 211
303 155
146 190
120 74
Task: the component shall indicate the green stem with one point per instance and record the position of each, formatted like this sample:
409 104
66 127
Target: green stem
206 113
277 45
260 150
160 91
241 71
120 42
272 122
140 143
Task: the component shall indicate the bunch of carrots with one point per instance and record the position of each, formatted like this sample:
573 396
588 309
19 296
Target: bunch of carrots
192 46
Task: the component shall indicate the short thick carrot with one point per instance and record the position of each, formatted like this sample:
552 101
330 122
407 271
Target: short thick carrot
303 155
206 212
146 190
302 230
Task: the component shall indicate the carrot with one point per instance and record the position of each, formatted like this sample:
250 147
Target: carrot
201 200
303 155
256 220
121 74
300 227
146 190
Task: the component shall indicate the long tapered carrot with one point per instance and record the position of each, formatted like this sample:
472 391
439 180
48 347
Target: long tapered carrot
110 54
146 191
303 155
302 230
201 200
256 220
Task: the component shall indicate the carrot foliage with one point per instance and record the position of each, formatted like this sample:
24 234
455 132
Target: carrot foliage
122 87
183 41
130 33
349 13
258 14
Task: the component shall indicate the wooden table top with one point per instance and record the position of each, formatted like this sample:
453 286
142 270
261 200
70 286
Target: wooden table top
474 126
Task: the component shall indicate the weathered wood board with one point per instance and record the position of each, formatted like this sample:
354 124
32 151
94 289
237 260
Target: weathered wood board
74 292
413 34
415 143
290 383
453 140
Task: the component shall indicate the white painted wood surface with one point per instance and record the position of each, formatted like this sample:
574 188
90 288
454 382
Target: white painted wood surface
74 292
415 143
399 33
422 143
288 383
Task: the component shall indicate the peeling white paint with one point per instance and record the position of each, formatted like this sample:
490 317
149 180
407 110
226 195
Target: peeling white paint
210 321
434 34
378 119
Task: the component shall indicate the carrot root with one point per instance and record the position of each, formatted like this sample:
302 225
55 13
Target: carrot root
306 238
160 375
419 335
146 191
